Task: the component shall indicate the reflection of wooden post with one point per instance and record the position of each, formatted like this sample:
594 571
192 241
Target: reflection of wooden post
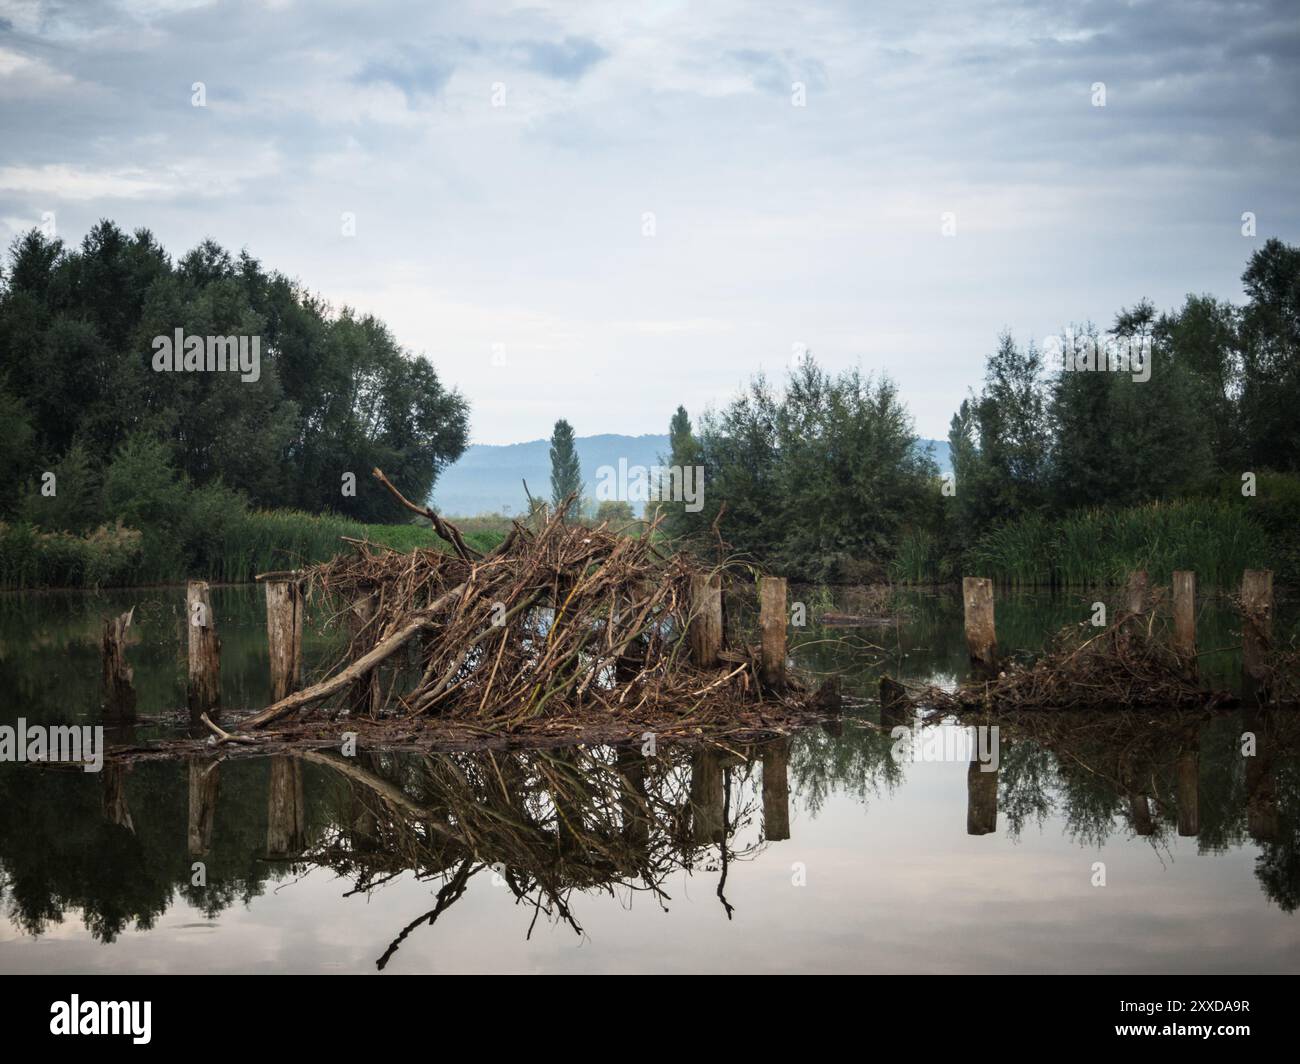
116 810
776 790
1140 814
205 783
1185 615
895 707
203 689
286 815
632 800
1189 784
1137 591
981 634
284 608
772 618
1257 621
981 800
119 693
1262 819
707 796
706 622
365 693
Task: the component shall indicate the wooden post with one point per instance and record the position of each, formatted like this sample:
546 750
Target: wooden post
284 609
1257 622
286 815
1185 616
772 620
776 789
203 689
706 622
1189 793
119 691
1137 591
981 632
205 783
981 799
365 694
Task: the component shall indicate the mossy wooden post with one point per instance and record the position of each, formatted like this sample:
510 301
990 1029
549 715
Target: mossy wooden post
1189 793
772 619
776 789
1257 625
119 690
284 609
1136 590
286 814
706 622
205 783
203 688
1184 593
981 632
981 799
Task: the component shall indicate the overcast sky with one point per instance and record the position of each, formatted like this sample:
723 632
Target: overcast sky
523 225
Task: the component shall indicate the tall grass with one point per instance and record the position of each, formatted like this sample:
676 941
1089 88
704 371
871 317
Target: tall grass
230 547
1215 539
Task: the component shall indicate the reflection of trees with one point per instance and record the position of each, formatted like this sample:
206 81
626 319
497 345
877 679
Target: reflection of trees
856 762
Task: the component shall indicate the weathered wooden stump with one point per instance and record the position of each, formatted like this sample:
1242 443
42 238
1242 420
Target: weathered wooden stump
1136 591
203 685
981 632
772 598
706 619
1184 592
119 688
284 611
1256 626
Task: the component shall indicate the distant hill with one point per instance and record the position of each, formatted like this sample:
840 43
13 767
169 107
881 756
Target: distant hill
488 477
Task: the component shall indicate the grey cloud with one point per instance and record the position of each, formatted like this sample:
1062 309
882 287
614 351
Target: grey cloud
566 60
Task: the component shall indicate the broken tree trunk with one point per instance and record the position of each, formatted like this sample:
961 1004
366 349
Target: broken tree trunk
203 688
119 691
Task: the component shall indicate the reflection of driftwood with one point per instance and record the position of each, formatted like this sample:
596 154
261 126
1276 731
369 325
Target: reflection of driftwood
543 823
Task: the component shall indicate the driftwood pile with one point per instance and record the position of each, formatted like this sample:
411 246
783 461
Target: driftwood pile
1130 664
560 622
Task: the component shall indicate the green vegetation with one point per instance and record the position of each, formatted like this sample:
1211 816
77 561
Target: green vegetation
566 471
120 473
1066 469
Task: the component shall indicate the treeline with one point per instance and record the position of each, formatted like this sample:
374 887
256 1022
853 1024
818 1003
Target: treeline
1066 469
95 436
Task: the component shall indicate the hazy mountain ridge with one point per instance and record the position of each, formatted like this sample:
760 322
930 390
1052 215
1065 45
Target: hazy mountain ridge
489 477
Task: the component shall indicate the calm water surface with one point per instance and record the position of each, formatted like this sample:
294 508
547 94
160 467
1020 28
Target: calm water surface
815 853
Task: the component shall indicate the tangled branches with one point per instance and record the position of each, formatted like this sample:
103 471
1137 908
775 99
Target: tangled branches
560 620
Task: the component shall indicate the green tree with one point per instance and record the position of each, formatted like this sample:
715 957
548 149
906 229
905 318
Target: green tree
566 473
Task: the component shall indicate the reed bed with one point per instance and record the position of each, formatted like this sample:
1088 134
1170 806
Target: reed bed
1097 547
